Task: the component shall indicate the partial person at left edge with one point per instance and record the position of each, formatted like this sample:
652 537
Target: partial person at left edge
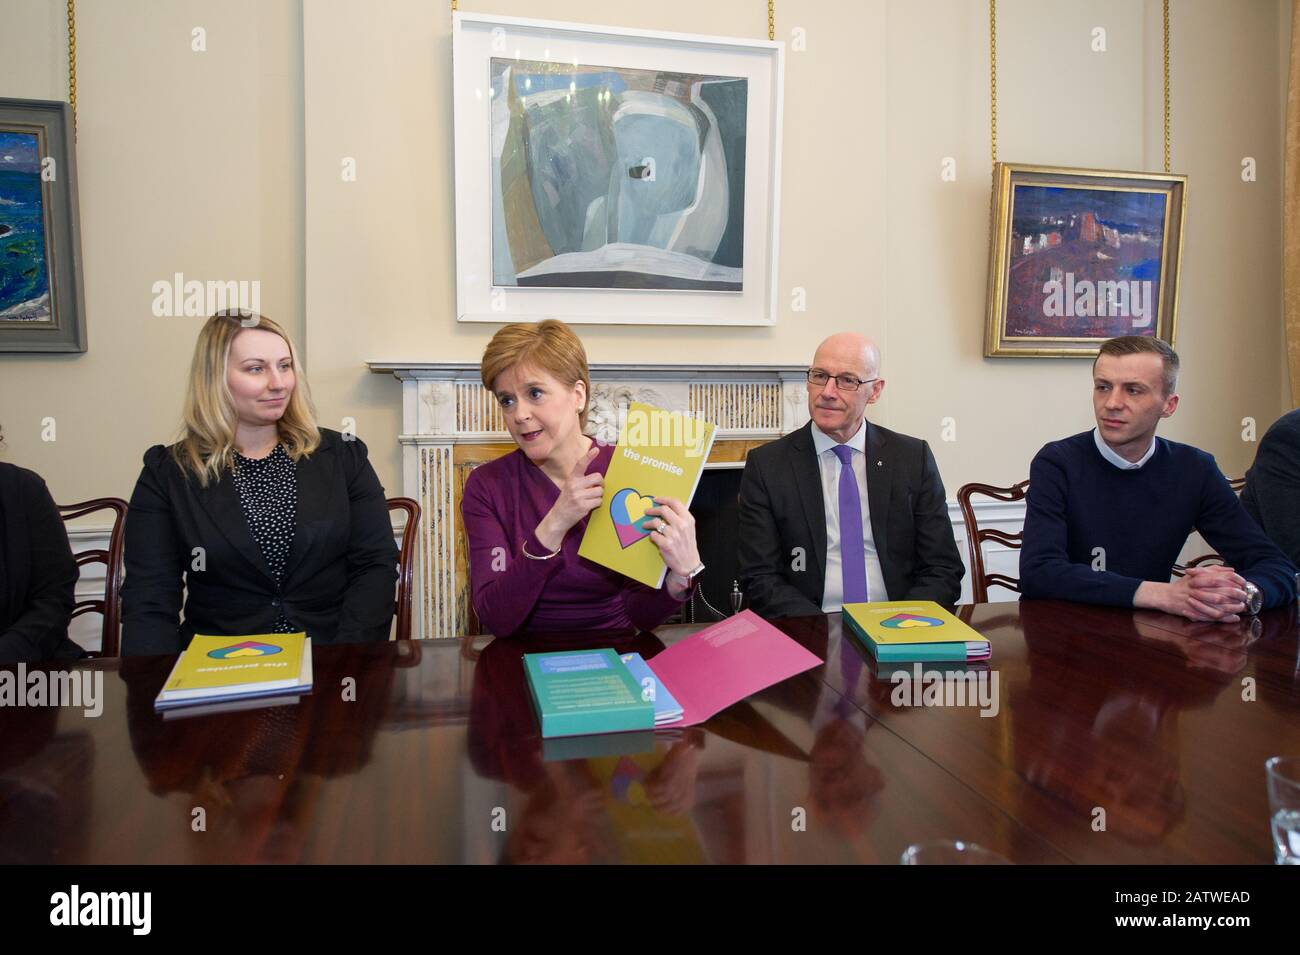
263 521
38 574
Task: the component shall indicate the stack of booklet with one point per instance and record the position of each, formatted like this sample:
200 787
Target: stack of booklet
216 674
914 630
579 692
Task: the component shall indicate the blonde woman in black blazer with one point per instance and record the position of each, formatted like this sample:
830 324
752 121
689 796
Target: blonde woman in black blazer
265 522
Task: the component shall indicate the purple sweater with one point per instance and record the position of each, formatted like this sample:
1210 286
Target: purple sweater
504 501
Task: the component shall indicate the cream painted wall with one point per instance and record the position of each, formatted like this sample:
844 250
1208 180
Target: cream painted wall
1283 80
188 162
883 92
1062 104
218 165
833 244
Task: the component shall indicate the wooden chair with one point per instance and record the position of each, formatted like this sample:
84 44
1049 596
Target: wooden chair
975 536
110 604
405 563
1180 570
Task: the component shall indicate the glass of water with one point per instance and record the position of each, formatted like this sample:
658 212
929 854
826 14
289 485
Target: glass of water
1283 774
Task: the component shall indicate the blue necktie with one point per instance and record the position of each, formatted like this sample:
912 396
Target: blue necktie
853 553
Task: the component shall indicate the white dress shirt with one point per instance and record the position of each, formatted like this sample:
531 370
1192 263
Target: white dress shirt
829 463
1122 463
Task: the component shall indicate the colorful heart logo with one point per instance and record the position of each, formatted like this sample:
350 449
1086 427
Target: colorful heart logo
249 648
901 621
626 783
628 509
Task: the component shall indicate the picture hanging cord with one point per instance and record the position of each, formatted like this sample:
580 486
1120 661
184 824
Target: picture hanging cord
72 63
1166 14
993 80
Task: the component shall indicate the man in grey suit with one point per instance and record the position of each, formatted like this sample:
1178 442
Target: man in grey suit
840 471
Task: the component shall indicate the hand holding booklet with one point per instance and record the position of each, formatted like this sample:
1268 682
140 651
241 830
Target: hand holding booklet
660 454
595 691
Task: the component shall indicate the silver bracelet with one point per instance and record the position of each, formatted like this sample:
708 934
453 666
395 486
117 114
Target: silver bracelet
524 547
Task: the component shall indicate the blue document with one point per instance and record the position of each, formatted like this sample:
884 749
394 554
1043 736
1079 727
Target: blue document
652 689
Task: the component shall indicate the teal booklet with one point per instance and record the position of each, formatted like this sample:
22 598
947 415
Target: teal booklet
576 693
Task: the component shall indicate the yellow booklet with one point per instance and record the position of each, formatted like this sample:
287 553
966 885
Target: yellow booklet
914 630
660 454
216 669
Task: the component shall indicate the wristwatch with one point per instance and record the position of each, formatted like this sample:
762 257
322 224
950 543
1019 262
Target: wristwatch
689 577
1254 598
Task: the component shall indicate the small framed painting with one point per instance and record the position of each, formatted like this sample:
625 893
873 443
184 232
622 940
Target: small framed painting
1078 256
42 307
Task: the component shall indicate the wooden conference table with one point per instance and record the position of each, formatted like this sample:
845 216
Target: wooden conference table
427 751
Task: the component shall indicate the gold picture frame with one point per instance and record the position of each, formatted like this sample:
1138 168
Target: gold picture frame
1078 256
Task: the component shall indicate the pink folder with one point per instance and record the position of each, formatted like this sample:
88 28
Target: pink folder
724 663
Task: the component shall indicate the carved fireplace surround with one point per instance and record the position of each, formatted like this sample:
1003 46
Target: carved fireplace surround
451 424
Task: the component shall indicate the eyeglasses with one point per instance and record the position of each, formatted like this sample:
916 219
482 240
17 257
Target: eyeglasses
842 382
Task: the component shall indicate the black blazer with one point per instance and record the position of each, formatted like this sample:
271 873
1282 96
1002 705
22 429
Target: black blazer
781 508
1272 492
38 574
338 582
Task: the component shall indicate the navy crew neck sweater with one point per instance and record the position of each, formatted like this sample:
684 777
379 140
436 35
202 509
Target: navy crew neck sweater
1082 512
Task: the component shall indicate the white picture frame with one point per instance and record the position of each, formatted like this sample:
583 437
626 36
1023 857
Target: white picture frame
477 38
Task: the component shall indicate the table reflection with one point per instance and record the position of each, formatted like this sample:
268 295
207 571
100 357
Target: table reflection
430 752
252 777
45 778
1102 740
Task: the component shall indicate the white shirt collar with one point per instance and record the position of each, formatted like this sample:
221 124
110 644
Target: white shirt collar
823 442
1123 464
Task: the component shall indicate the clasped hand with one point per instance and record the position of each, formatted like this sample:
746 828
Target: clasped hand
1214 593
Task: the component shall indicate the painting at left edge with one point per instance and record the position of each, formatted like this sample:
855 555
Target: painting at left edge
42 304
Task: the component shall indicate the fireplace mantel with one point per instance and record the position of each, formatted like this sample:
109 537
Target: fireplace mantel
458 370
451 424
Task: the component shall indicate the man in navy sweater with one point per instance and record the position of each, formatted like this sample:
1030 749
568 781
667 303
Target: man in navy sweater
1109 509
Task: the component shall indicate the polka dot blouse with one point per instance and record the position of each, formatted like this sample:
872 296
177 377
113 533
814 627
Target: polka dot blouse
268 493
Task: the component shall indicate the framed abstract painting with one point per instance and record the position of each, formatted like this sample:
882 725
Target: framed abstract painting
1078 256
614 176
42 306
